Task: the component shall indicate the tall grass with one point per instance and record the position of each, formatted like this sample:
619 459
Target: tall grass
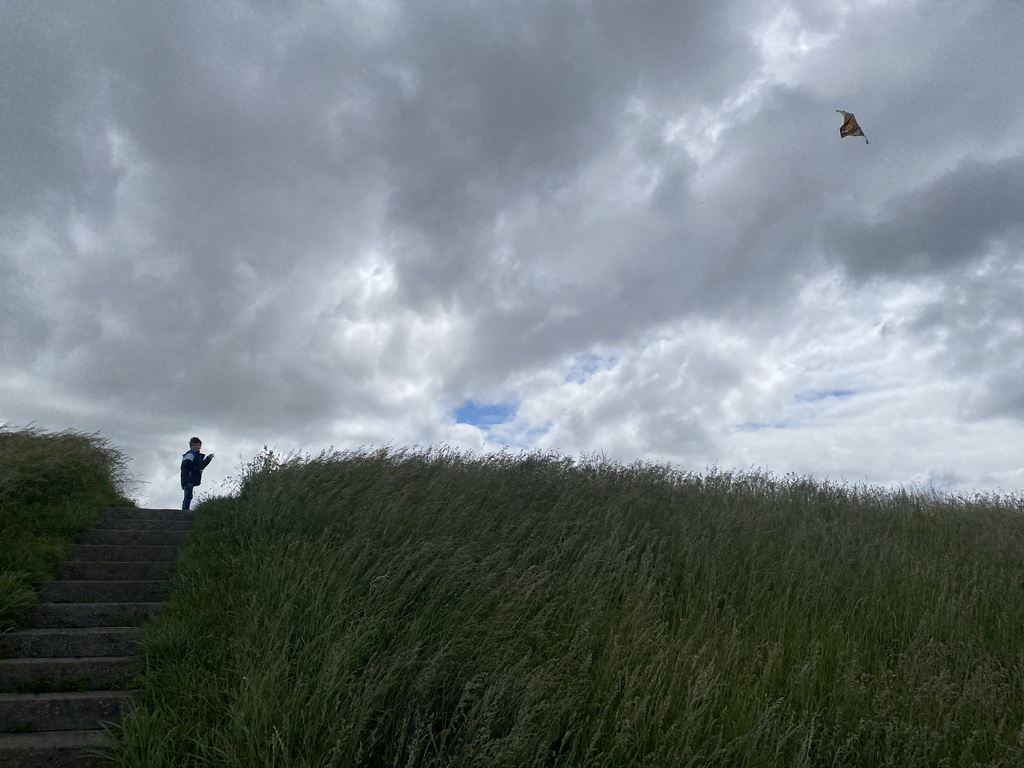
430 608
52 486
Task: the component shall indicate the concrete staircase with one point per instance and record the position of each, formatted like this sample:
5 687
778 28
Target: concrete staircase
65 675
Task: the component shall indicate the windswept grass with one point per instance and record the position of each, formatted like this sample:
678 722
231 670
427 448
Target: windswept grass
403 608
52 486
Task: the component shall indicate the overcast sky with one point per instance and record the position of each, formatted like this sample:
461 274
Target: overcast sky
627 227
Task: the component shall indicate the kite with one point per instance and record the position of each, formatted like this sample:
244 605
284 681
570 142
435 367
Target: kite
850 127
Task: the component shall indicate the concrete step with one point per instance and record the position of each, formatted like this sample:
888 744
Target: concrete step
60 749
33 712
54 642
92 614
76 570
103 591
130 513
125 538
144 525
88 673
111 553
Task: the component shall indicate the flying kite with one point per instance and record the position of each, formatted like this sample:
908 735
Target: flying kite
850 127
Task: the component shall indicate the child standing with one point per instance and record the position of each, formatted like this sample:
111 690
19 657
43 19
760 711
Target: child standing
192 465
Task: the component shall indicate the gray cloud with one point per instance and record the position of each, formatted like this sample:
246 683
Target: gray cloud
954 220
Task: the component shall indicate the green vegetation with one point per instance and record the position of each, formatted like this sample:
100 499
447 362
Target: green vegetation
431 608
52 487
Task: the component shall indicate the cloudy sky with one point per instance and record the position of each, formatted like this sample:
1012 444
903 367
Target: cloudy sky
626 227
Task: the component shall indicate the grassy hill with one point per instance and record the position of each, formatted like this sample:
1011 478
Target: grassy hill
53 485
430 608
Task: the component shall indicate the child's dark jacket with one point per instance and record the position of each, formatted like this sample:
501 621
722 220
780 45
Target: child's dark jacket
192 465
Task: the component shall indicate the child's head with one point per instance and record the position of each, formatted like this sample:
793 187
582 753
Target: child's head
195 443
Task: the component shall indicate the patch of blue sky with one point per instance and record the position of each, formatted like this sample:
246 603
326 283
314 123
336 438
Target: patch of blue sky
485 415
814 395
585 367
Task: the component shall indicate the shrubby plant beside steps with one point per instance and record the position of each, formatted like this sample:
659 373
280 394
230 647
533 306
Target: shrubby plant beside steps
53 485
